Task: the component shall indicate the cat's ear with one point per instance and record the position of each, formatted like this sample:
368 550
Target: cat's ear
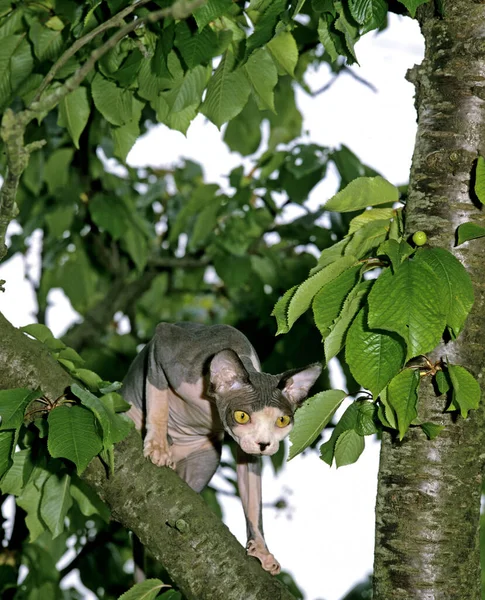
227 373
296 384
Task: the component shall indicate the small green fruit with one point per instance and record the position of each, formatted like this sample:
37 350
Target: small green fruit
420 238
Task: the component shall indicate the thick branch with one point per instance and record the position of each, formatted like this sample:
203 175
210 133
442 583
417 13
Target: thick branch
196 548
428 501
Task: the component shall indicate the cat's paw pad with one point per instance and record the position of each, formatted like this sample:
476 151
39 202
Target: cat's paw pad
258 549
159 453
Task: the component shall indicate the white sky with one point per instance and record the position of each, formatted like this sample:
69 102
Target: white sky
326 539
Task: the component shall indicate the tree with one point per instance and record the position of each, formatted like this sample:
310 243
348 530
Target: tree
84 80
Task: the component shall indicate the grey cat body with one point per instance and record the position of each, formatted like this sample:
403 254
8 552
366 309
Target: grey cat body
189 385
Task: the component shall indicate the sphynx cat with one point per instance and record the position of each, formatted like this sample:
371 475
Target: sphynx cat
189 385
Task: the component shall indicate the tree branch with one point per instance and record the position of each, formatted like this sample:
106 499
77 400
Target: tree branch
14 124
195 547
179 10
115 21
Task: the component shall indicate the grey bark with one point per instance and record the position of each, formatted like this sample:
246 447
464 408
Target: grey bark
195 547
428 499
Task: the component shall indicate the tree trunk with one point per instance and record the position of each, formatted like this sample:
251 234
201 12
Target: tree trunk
428 498
195 547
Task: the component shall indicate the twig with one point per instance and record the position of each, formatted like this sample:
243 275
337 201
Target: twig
115 21
179 10
13 125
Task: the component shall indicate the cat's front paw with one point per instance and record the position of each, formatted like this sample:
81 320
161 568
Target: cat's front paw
158 452
257 548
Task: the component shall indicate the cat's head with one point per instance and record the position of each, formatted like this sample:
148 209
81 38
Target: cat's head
257 409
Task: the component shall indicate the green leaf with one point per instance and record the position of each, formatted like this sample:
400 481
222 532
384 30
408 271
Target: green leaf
402 397
227 92
71 355
280 310
373 214
374 356
13 404
431 429
265 24
347 421
407 302
146 590
284 51
115 427
366 418
73 435
7 447
211 10
396 251
38 331
480 179
19 473
305 293
243 133
204 226
188 91
367 237
90 378
363 192
195 48
108 212
124 138
443 382
412 5
56 501
74 110
47 43
369 13
326 38
466 389
335 339
263 77
456 296
113 102
88 501
77 277
385 412
328 302
30 500
350 31
115 402
348 448
311 418
330 255
56 172
135 243
60 220
21 65
469 231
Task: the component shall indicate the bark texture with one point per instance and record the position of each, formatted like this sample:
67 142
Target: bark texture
428 499
196 548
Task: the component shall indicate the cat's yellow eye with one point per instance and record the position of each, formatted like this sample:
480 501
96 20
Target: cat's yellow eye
241 417
283 421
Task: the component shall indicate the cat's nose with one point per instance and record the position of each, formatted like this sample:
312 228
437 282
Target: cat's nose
263 446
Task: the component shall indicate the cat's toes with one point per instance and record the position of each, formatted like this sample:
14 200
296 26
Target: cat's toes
258 549
159 453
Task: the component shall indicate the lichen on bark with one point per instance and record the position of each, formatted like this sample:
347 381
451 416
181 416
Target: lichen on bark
428 500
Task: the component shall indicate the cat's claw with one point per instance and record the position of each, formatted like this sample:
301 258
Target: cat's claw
258 549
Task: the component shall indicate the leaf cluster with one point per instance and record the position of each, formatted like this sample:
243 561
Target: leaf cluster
45 444
385 305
